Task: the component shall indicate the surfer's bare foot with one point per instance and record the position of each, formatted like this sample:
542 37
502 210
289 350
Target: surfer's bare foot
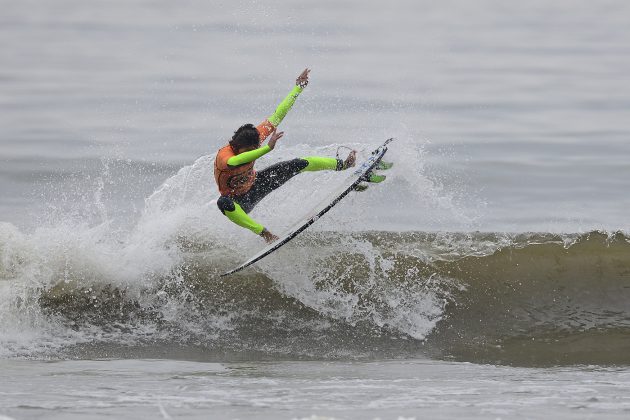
268 236
350 160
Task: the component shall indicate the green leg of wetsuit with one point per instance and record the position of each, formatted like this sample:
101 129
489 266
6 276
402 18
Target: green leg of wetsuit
316 163
241 218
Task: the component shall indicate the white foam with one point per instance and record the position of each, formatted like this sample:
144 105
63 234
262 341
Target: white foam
75 254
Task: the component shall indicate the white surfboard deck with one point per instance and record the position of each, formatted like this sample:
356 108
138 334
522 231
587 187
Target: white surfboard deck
329 202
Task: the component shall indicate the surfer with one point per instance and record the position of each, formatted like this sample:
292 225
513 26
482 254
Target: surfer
241 187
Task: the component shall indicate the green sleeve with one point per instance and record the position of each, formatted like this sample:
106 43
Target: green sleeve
284 107
246 157
241 218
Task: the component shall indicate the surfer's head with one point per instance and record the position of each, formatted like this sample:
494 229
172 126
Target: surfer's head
245 138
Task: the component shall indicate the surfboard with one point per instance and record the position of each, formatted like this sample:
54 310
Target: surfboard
360 175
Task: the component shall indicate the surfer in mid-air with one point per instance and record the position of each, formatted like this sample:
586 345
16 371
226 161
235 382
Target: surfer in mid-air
241 187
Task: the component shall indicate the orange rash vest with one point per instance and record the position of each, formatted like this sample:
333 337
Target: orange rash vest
237 180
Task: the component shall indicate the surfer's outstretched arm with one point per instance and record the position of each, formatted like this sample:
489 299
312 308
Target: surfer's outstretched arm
266 127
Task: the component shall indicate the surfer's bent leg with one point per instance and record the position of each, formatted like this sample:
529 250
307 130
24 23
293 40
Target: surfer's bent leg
236 214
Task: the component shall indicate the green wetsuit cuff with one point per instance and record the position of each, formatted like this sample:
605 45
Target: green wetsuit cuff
284 107
246 157
316 163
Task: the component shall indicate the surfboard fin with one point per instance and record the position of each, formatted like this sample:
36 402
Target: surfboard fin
361 187
372 178
384 165
375 178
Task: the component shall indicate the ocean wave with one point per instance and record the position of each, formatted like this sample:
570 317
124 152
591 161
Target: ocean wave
526 299
545 301
74 288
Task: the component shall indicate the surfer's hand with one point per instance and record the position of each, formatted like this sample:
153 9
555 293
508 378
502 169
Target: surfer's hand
274 138
268 236
302 80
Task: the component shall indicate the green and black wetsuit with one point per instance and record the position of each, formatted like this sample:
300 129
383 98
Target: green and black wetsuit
241 196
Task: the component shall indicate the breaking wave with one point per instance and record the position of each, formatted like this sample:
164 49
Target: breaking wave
85 290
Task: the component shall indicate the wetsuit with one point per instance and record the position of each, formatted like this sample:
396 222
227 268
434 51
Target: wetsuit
242 188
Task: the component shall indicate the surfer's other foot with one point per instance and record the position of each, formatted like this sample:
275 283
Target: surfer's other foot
361 187
268 236
351 160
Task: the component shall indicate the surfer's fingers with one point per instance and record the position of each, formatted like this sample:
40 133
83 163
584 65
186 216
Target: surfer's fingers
302 80
277 135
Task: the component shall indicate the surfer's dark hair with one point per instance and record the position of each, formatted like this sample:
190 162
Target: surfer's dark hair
246 135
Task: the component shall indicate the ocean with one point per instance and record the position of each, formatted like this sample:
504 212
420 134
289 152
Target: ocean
487 278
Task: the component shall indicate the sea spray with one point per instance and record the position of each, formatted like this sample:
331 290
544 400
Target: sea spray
346 288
